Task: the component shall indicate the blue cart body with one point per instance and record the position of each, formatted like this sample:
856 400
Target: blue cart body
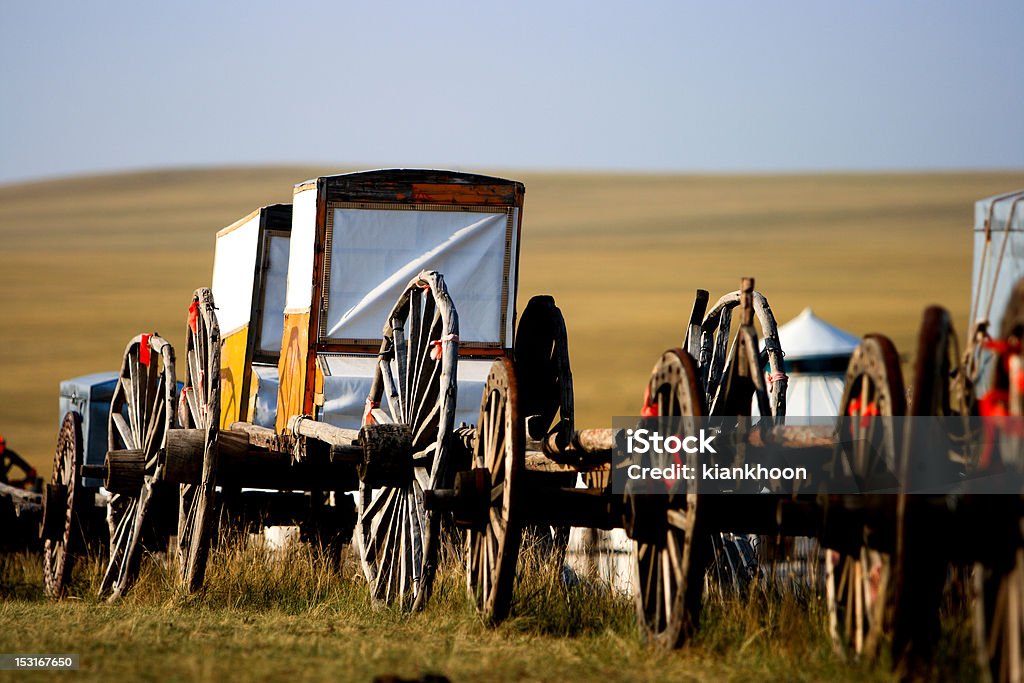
90 396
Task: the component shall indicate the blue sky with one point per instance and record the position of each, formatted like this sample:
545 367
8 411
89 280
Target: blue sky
660 85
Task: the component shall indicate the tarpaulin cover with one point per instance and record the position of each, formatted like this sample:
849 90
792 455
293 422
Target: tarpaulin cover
348 385
265 411
375 253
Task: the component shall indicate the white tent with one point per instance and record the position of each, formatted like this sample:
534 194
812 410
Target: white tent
817 354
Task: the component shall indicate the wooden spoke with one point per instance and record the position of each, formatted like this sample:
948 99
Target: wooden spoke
141 414
415 385
493 549
196 524
669 570
860 591
62 531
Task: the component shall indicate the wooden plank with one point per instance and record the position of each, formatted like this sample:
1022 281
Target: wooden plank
292 368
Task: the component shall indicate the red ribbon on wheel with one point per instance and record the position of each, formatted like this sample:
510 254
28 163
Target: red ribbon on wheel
144 350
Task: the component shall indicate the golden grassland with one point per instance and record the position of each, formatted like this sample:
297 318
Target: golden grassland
86 263
300 616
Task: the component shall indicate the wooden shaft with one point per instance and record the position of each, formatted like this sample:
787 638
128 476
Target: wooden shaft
336 436
263 437
572 507
796 436
587 449
747 301
242 464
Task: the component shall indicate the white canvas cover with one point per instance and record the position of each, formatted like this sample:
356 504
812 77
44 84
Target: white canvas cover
300 264
376 252
808 336
234 266
994 276
276 276
347 381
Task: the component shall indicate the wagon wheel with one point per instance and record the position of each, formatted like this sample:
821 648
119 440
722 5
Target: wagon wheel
999 580
200 409
141 414
61 527
396 536
919 569
858 582
671 557
541 355
492 549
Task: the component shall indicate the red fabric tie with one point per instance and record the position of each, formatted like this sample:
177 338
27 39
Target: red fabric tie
193 315
144 350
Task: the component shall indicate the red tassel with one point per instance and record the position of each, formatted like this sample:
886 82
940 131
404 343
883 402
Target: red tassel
193 315
144 350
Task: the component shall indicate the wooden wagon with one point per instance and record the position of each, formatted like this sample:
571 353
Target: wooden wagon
334 361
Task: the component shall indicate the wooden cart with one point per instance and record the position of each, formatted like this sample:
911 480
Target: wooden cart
335 361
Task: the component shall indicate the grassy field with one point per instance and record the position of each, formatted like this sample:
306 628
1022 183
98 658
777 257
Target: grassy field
90 262
300 617
87 263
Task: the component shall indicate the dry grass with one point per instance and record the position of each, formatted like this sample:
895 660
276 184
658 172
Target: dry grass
90 262
304 616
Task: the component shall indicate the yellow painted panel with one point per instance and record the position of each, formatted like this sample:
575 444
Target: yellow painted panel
232 376
292 368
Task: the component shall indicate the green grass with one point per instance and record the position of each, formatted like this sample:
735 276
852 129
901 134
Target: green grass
303 616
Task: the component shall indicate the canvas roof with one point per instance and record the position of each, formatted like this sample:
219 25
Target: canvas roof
808 336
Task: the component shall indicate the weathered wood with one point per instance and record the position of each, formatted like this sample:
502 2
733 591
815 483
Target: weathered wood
691 340
23 501
493 548
714 340
422 186
263 437
301 425
183 457
537 461
142 412
126 471
414 385
196 518
795 436
387 455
